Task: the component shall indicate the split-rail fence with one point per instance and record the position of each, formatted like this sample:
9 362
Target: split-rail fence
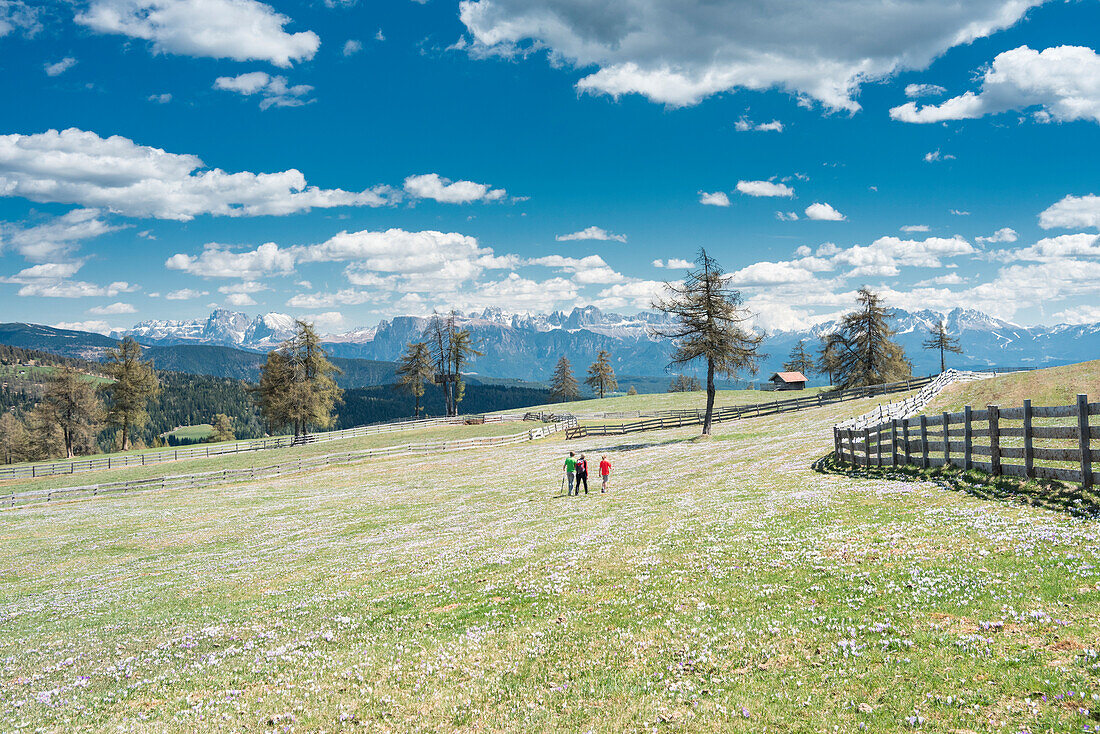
987 440
293 466
148 458
678 418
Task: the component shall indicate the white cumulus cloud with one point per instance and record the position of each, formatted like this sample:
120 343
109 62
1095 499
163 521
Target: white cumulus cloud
764 188
1072 211
96 326
718 198
591 233
434 186
913 91
825 212
1062 82
217 261
1052 249
240 299
272 90
1004 234
242 30
55 237
677 52
77 167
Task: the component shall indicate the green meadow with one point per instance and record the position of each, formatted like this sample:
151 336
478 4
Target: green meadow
720 585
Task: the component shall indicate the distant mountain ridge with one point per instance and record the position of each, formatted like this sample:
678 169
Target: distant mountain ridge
526 347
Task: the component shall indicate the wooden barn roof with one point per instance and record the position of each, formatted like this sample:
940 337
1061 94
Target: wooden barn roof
789 377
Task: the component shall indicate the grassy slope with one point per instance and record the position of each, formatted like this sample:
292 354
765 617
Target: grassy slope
1052 386
262 458
722 586
200 431
671 401
40 373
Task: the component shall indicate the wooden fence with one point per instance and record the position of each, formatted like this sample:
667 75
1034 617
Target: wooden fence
148 458
678 418
984 439
914 403
228 476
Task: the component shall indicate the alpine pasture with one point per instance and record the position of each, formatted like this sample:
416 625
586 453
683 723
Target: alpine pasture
721 585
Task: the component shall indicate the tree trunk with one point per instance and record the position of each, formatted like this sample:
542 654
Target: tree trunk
416 412
125 433
943 366
710 398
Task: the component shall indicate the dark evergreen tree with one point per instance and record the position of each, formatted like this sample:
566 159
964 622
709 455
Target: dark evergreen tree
452 349
296 385
134 384
799 360
940 341
414 368
563 385
601 376
223 428
828 359
865 353
710 324
70 404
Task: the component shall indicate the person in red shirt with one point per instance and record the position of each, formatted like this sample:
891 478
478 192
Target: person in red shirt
605 472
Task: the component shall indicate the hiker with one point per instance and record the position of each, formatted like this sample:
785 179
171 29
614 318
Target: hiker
582 475
570 467
605 472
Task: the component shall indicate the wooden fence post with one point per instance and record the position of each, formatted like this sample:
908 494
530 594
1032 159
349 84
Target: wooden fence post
894 442
852 446
878 445
1083 427
867 446
995 439
968 440
905 432
836 444
1029 443
946 439
924 441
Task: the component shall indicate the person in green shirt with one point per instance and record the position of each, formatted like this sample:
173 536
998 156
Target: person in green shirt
570 468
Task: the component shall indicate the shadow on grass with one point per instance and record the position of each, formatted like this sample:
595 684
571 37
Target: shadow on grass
1050 495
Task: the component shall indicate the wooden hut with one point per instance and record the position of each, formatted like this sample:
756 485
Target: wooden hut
788 381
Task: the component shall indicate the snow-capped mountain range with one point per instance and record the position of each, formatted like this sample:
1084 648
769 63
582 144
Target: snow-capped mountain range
527 346
222 327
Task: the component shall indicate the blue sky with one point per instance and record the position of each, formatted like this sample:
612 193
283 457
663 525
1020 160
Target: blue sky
350 161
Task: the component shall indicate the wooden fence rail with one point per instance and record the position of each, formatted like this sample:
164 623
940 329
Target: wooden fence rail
678 418
956 439
148 458
224 476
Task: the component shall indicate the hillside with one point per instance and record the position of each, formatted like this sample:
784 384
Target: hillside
219 361
63 342
721 586
1052 386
